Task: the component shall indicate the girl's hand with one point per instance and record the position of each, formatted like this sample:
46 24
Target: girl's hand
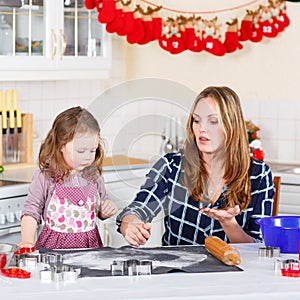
221 215
107 209
135 231
25 245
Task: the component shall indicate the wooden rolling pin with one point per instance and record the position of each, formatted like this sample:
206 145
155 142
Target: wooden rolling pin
222 251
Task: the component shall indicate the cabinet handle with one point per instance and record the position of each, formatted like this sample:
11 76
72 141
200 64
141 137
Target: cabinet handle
107 235
64 44
54 40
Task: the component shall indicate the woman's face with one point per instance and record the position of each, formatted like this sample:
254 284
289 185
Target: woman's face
80 152
209 133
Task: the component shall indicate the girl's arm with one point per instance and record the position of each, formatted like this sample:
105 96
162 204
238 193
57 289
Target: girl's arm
28 231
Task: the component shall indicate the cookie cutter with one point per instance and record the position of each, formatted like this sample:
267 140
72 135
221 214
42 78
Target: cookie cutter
269 251
291 264
61 273
131 267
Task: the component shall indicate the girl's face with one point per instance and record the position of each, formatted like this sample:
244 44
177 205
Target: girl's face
209 133
80 152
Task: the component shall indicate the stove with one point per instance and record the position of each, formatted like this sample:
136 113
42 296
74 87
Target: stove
12 197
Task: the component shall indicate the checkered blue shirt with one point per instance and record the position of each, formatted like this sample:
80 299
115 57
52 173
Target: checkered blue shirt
165 191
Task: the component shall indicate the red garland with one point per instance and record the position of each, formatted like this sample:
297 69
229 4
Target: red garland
190 33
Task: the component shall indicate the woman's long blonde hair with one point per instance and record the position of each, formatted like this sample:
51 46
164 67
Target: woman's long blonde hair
72 121
237 156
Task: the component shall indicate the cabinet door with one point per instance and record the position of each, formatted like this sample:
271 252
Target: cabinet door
23 47
53 35
289 203
82 43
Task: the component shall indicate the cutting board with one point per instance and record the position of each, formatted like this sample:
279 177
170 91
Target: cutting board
120 160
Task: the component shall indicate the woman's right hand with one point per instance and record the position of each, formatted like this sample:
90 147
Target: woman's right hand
135 231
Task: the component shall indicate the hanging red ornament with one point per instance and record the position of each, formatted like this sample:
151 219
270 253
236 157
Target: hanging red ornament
176 43
107 12
128 19
163 39
89 4
98 4
267 23
157 25
148 25
257 33
232 42
283 16
194 42
246 27
212 38
118 22
138 32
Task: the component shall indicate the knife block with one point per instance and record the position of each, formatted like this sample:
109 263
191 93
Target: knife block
26 145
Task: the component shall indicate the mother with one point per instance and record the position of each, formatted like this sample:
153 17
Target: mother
211 187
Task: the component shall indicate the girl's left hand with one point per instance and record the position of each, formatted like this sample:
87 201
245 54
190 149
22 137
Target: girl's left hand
107 209
221 215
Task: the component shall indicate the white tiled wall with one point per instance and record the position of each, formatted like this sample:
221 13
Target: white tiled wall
279 120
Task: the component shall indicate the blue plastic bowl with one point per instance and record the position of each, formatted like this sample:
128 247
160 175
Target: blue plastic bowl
281 231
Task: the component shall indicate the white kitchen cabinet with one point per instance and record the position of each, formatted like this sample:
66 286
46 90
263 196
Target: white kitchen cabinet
289 203
122 190
51 41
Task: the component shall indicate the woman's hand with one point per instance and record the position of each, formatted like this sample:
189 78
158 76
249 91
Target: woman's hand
135 231
107 209
232 229
221 215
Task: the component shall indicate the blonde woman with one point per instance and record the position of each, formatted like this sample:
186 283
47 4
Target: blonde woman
211 187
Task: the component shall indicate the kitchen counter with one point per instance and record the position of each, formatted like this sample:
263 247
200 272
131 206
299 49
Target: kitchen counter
111 165
289 173
257 281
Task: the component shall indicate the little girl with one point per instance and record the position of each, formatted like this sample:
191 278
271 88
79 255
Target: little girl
68 191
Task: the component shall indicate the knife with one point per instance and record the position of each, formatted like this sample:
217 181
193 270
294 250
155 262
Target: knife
18 128
10 133
4 127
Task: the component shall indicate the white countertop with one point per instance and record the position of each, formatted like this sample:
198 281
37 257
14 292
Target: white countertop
257 281
111 174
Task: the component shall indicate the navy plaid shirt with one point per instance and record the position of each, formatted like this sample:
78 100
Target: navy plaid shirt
184 224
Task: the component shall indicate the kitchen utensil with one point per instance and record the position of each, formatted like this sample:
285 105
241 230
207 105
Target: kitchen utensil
15 273
282 232
222 251
18 128
269 252
4 127
10 150
168 146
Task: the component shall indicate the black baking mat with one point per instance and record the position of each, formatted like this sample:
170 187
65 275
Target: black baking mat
189 259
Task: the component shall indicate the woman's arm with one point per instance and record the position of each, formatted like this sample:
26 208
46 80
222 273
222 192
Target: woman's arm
134 221
134 230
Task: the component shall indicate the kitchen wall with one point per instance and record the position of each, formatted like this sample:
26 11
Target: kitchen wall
264 75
